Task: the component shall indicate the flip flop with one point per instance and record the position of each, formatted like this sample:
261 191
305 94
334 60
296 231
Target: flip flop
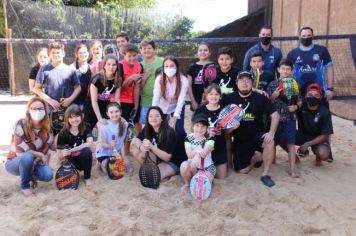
266 180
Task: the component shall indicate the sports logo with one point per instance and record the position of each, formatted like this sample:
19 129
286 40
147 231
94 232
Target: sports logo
316 57
299 60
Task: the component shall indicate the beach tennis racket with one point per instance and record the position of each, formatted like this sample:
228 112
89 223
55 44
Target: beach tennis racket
229 116
115 166
149 173
290 90
67 176
257 77
209 73
57 117
200 186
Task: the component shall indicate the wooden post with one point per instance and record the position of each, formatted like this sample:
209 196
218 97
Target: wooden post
10 59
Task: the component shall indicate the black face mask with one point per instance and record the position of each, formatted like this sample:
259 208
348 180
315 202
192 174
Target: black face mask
265 40
306 42
312 101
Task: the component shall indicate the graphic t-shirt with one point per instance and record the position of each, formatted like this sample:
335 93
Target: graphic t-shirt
227 80
147 91
195 71
309 65
71 141
252 122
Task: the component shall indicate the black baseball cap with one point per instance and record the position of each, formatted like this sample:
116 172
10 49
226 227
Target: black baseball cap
200 118
245 73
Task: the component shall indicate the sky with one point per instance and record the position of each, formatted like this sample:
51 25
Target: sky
208 14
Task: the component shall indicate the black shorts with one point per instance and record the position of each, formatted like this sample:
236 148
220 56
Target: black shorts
303 138
244 151
101 159
126 111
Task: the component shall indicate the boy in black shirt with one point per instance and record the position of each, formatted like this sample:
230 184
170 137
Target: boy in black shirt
265 77
314 125
251 135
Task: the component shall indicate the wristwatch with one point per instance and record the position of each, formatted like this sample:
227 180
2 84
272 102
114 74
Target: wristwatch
330 89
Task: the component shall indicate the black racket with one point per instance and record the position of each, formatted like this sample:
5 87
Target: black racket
149 173
57 117
67 176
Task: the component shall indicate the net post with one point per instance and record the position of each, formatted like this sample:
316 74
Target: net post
10 59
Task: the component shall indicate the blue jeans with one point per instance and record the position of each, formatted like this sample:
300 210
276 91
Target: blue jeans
143 115
22 165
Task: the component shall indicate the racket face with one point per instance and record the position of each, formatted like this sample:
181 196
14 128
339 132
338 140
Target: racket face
209 72
200 186
150 175
229 116
116 168
57 119
67 178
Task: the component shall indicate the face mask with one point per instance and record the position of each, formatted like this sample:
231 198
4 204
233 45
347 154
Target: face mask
265 40
170 72
37 115
306 42
312 101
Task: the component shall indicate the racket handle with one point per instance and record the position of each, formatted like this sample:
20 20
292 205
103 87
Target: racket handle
201 163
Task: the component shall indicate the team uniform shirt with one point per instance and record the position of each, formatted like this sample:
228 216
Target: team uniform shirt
127 95
279 104
147 90
314 123
252 122
170 145
191 142
271 57
105 93
195 71
84 75
219 152
309 66
265 79
227 81
57 81
67 140
170 105
21 144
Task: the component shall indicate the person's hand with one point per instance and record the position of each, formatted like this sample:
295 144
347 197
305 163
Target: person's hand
203 153
54 104
66 152
103 121
135 77
268 137
303 148
136 142
211 132
194 105
276 93
113 144
260 91
146 144
292 108
66 102
328 95
237 125
172 122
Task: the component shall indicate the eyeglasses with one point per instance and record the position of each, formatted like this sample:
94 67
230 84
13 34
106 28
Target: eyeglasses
246 81
37 109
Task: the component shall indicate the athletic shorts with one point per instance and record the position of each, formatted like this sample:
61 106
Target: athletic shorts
244 151
171 164
302 138
101 159
288 129
126 111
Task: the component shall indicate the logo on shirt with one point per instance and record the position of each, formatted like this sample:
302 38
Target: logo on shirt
199 78
299 60
271 59
307 69
105 95
316 57
317 117
248 117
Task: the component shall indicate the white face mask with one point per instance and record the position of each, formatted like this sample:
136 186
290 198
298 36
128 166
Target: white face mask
170 72
37 115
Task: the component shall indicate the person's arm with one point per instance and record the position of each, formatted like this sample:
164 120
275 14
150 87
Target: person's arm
87 144
190 92
53 103
189 150
67 101
101 138
137 91
160 153
145 76
329 72
117 95
208 148
128 82
156 91
319 139
31 84
94 102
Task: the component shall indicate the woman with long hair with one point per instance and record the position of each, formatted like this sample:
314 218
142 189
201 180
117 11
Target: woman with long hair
31 145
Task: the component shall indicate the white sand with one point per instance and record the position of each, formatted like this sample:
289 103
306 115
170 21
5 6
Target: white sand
321 202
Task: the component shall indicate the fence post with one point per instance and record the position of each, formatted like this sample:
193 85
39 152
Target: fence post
10 59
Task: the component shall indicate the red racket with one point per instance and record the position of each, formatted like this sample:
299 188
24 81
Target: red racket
229 116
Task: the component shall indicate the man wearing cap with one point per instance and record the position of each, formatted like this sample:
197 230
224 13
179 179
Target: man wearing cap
314 125
251 135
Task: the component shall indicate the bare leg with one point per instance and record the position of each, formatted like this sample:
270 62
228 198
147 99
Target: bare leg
228 149
221 171
292 155
322 154
186 173
166 170
268 154
103 165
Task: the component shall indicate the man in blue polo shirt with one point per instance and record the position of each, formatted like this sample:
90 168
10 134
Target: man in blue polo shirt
271 54
312 64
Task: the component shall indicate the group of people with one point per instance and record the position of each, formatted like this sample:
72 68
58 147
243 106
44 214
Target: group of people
115 91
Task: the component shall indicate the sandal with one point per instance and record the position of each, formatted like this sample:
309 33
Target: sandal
266 180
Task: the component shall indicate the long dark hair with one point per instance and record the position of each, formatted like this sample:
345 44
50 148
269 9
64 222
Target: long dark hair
117 75
164 78
121 120
75 110
164 130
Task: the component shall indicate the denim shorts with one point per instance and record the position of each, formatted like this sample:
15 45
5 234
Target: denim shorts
288 129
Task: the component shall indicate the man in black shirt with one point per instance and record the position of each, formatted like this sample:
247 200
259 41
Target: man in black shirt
314 125
251 135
